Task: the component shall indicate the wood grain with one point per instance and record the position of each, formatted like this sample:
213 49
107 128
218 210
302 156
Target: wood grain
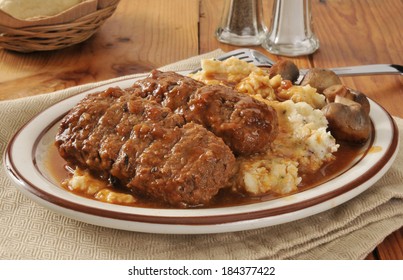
140 36
392 247
366 34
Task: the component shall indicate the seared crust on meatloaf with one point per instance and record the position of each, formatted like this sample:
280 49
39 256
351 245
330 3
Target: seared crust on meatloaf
245 124
146 148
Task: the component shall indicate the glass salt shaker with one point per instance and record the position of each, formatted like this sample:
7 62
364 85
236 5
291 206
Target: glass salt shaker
242 23
291 29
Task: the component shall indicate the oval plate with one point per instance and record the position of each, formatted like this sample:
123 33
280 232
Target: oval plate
25 163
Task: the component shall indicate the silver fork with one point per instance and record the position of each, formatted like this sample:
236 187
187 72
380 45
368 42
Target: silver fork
259 59
248 55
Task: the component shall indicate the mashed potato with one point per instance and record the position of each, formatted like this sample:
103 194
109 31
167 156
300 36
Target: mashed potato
250 79
83 183
303 136
305 94
303 144
260 84
228 72
259 175
107 195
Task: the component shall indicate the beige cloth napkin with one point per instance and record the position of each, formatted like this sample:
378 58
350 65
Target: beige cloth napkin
349 231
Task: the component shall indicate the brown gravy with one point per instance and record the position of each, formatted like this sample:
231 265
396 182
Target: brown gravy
346 156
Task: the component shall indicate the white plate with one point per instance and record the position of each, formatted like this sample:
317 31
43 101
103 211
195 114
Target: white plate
24 161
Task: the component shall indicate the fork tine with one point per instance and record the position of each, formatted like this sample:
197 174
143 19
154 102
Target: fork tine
236 53
250 56
247 55
261 59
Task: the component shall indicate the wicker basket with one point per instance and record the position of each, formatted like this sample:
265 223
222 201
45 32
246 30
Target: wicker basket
55 36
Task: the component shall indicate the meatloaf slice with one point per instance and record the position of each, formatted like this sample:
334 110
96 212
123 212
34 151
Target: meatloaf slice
170 89
143 146
75 139
184 166
245 124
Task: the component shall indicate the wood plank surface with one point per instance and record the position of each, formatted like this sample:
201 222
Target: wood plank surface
141 35
366 34
392 247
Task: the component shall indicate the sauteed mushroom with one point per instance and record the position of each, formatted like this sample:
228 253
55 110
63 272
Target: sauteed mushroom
348 115
363 100
320 79
286 69
334 90
334 93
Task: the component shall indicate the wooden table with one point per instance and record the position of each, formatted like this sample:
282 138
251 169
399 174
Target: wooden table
143 35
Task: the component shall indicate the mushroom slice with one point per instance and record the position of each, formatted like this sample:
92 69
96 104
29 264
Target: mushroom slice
361 98
320 79
337 90
348 120
286 69
345 101
334 92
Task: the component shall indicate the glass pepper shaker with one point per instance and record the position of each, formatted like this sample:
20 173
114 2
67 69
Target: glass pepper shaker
291 29
242 23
